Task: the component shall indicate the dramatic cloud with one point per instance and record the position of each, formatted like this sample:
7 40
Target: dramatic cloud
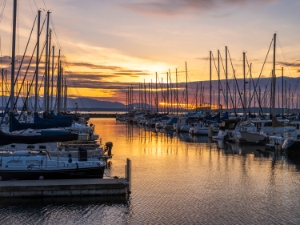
93 66
118 69
88 77
100 85
177 7
290 64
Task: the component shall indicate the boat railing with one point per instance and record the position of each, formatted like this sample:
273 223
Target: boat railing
59 159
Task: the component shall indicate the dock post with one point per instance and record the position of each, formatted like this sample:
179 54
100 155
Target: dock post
128 173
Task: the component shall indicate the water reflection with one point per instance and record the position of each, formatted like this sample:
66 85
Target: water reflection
176 176
65 210
180 179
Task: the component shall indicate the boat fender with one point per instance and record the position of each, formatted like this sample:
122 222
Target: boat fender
41 178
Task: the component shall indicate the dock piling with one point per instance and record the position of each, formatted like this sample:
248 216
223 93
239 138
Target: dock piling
128 174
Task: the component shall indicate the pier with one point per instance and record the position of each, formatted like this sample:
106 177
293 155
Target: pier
68 187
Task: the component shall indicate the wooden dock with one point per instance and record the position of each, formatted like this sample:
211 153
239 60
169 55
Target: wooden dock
68 187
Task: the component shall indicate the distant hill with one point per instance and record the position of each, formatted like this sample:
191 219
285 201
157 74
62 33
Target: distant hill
82 104
93 103
291 84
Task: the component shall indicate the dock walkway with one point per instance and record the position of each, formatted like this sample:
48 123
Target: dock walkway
68 187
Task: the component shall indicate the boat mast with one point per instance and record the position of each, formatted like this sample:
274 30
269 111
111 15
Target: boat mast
186 88
244 70
149 96
151 92
37 62
259 96
219 104
282 97
59 84
2 73
156 94
170 90
177 91
58 77
12 96
226 74
274 76
62 89
210 86
46 64
139 99
197 97
48 71
65 95
167 92
249 94
200 94
234 96
145 95
203 103
52 76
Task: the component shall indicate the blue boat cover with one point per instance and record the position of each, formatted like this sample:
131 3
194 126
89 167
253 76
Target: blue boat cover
39 123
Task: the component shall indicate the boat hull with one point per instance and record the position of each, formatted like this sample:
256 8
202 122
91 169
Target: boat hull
292 146
253 137
168 127
203 131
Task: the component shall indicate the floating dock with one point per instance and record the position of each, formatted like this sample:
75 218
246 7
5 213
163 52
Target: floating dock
68 187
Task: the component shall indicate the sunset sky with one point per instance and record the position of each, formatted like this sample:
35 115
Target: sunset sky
109 45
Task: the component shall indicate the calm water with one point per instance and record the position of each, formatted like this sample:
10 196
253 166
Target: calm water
177 180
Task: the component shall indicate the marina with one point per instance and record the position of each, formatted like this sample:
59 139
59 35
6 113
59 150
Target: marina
155 124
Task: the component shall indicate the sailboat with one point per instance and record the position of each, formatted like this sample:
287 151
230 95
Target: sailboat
38 164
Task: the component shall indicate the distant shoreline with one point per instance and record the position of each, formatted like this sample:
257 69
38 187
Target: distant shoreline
102 115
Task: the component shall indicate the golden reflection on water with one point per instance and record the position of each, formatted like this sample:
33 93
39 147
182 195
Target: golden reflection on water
177 179
177 175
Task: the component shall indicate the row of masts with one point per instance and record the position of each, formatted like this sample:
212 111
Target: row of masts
247 97
144 97
48 70
28 91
